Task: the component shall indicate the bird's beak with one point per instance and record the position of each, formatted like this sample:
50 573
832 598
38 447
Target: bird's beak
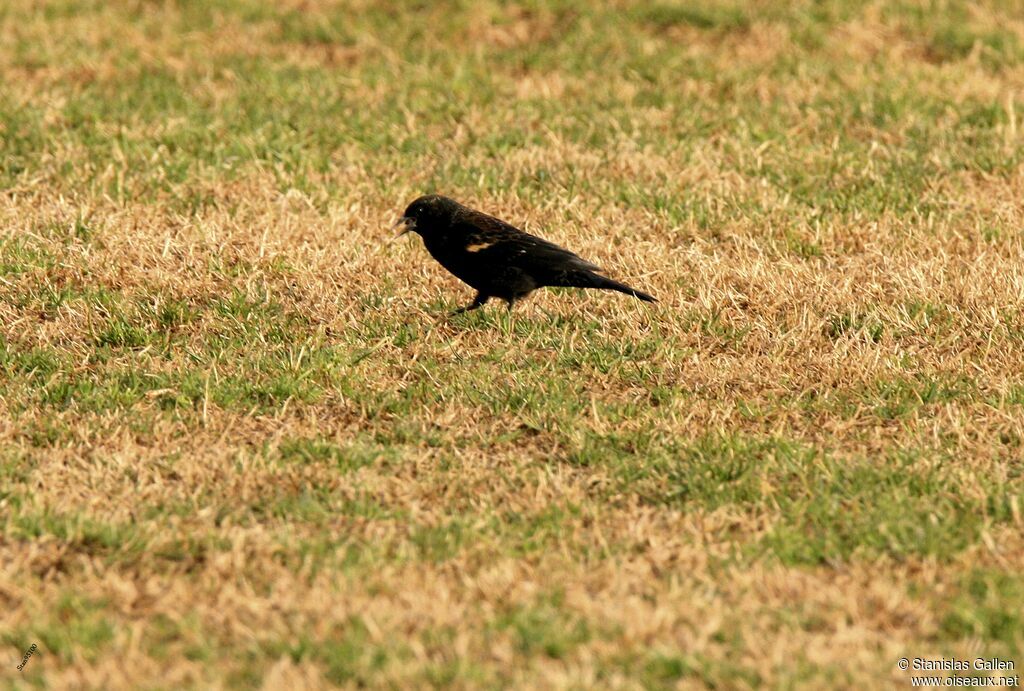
406 223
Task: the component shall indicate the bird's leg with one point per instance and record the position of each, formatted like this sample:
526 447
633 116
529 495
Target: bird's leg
478 301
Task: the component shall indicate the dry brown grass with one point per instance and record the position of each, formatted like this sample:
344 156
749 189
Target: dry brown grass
241 446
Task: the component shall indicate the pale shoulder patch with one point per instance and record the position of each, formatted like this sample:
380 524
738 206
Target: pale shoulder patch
477 246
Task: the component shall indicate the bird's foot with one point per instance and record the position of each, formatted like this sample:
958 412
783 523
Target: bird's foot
477 303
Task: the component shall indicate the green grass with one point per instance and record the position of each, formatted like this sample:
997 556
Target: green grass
220 386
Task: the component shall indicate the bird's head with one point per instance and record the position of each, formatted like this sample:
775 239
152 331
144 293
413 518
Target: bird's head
427 213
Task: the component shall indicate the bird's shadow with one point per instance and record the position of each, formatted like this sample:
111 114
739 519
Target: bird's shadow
444 311
496 318
524 321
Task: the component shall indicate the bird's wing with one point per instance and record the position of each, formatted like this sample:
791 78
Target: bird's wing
497 242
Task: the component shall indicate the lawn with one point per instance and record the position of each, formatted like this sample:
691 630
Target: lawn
242 443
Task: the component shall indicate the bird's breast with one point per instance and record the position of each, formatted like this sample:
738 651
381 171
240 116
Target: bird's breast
458 256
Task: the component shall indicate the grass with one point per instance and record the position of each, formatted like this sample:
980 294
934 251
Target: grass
241 444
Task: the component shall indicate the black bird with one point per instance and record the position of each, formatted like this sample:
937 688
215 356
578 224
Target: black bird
498 259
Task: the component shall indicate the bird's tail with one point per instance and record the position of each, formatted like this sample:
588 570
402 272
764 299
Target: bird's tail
592 280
